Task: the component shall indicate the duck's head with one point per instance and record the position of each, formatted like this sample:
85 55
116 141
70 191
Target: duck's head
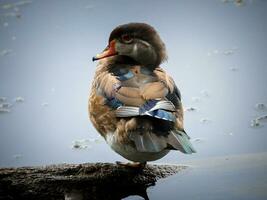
139 41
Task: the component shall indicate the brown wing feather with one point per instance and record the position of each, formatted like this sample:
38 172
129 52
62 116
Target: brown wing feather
130 96
170 84
165 78
130 101
130 92
154 90
102 117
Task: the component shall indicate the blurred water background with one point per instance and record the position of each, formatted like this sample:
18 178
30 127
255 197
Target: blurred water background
217 56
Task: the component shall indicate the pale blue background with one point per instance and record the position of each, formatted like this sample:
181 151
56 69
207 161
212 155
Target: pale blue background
51 62
55 41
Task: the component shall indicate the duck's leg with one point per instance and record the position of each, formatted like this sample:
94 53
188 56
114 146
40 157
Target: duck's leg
136 165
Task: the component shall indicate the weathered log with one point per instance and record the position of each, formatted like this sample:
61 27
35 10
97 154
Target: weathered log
82 181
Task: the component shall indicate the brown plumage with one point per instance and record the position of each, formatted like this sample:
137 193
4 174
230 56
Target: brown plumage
134 104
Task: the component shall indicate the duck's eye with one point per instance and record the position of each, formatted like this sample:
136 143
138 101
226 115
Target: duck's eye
126 38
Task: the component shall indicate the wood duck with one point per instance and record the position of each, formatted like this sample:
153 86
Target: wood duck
134 104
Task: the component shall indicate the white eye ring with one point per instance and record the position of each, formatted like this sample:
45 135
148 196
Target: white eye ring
126 38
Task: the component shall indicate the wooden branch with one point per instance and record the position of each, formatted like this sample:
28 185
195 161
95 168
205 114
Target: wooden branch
83 181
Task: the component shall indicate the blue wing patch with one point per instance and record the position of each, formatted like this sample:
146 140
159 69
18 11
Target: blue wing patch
163 114
158 113
113 102
123 74
147 106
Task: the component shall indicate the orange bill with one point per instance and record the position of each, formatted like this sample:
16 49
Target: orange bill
109 51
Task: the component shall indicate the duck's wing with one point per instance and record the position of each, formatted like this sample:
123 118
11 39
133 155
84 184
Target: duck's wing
177 137
160 99
163 102
173 95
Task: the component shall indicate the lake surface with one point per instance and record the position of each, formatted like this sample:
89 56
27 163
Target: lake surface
227 177
217 57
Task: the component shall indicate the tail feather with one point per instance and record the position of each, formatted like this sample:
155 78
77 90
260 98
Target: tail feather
173 141
180 141
148 142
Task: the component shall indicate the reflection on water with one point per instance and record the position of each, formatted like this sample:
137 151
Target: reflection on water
111 193
74 195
